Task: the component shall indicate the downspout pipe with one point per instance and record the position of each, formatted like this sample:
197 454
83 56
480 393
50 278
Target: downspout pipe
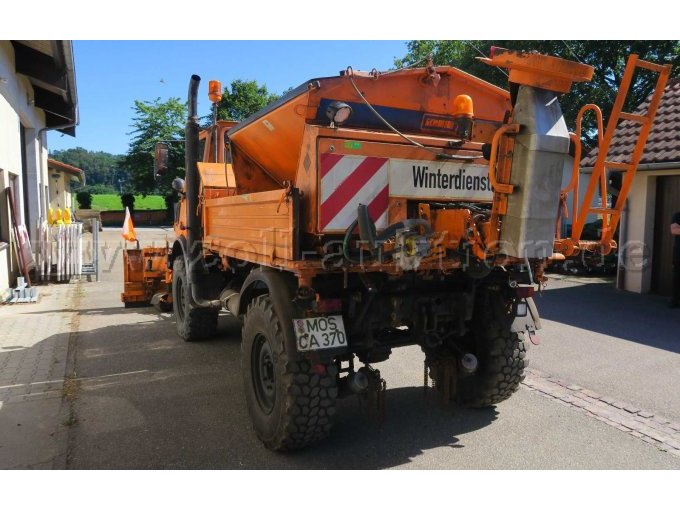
195 263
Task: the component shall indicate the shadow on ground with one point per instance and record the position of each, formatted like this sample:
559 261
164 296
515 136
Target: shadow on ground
148 400
599 307
32 420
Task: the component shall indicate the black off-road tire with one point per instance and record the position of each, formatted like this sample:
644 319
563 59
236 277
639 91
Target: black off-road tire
299 410
501 354
193 323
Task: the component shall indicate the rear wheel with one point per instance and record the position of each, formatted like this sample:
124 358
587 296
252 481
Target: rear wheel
501 357
290 404
501 354
192 323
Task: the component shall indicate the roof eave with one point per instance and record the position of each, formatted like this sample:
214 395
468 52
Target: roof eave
49 67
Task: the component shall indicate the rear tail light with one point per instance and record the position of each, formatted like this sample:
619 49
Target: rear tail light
329 305
524 291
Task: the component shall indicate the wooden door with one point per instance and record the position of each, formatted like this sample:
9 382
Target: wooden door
667 204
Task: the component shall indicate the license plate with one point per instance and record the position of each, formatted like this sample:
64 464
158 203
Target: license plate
320 333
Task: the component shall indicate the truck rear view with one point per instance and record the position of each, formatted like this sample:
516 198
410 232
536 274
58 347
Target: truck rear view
370 211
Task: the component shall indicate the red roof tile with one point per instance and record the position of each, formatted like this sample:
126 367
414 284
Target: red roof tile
663 144
58 165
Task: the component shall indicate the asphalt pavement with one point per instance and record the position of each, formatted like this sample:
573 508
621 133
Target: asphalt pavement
621 344
145 399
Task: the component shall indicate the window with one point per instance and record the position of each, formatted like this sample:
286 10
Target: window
16 193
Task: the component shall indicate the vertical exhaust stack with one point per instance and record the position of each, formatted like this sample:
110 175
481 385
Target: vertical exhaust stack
195 262
191 165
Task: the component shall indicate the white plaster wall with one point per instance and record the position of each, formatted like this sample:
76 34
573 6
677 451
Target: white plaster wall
68 196
59 197
16 96
4 231
10 141
638 251
34 160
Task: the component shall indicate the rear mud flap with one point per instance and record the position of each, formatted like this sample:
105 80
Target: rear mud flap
530 322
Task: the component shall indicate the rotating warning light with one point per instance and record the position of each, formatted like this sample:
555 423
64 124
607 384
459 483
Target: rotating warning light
214 91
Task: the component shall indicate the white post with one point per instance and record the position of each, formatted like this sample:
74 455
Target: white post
69 266
60 252
38 253
79 266
68 251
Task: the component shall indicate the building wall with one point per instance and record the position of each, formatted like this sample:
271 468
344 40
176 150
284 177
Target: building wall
637 250
60 190
16 109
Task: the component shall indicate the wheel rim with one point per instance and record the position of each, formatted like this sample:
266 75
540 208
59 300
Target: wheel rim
264 378
179 295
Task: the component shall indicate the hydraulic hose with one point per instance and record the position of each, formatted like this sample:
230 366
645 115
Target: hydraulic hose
390 231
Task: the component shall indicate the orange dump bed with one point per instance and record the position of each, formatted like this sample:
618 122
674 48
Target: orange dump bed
411 100
292 172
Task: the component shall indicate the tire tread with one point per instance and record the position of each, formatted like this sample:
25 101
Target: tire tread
304 419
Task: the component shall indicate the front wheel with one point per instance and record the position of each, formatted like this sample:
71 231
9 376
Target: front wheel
290 404
193 323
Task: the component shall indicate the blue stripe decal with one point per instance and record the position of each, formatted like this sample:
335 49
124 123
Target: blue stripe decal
363 117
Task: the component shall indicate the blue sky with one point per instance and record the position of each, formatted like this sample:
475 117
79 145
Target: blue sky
112 74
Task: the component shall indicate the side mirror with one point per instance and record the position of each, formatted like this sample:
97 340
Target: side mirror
161 156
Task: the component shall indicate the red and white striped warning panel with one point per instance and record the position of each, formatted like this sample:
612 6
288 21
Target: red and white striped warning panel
349 180
346 182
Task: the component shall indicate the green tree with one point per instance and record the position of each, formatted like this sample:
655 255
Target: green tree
128 200
101 168
607 57
155 121
84 199
242 99
99 189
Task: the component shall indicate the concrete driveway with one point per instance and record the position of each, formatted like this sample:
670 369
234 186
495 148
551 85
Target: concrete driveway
145 399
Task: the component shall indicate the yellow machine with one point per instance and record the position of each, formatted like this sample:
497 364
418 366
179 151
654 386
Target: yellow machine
145 276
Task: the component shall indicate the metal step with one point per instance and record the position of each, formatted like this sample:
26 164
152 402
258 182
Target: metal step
617 165
640 119
650 66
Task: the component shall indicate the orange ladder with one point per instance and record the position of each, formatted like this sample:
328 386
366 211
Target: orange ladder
611 216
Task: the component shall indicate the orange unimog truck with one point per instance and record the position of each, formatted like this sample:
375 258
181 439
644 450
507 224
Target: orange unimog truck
369 211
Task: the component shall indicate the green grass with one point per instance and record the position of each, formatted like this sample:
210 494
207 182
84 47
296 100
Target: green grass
111 202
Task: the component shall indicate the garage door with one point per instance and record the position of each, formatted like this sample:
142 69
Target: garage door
667 203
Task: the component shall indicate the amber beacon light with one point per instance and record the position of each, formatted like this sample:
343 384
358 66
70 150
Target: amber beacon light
463 113
215 91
